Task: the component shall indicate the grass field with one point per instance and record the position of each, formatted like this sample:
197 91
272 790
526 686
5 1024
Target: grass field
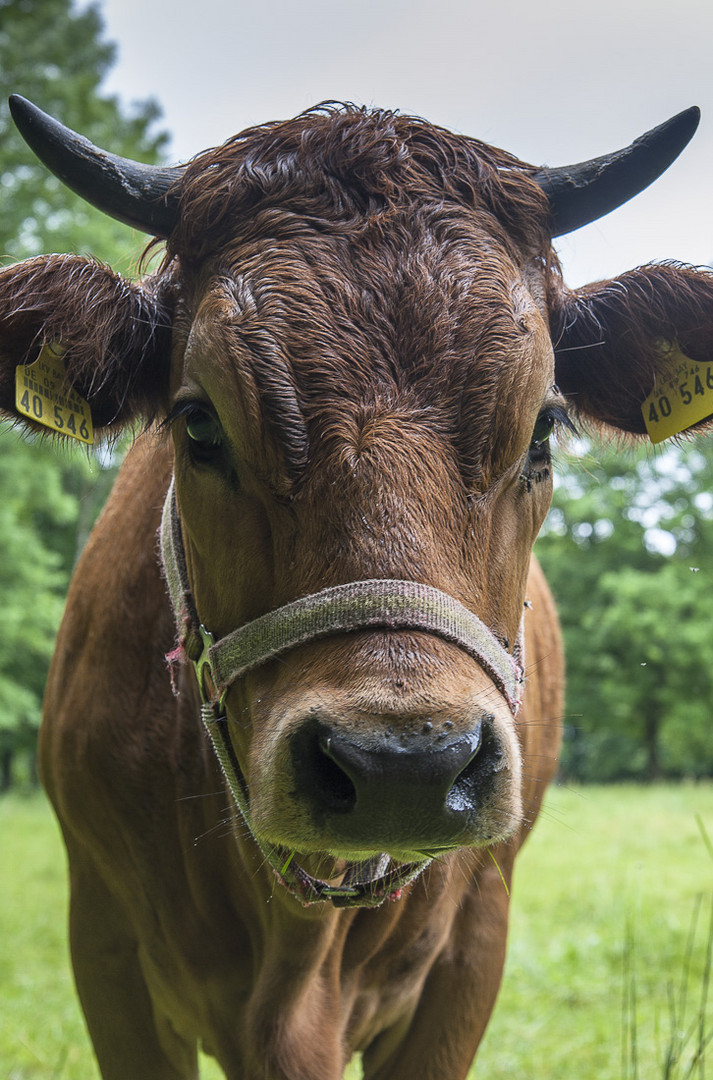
605 867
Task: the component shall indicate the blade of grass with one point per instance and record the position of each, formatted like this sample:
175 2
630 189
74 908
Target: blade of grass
497 867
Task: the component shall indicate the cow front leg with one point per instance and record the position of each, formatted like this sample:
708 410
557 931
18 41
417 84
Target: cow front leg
132 1039
459 994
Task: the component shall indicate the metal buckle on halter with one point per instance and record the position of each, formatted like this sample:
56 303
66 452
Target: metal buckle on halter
330 891
204 672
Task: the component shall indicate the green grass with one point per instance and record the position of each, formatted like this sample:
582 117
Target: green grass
601 860
603 867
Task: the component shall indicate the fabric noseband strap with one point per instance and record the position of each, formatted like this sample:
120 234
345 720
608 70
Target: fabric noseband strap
388 604
394 605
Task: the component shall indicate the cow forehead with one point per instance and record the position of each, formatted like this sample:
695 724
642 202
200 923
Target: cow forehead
438 287
433 321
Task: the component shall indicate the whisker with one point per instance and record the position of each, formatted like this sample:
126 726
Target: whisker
200 795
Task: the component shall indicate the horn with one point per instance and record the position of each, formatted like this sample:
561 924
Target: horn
582 193
146 196
143 196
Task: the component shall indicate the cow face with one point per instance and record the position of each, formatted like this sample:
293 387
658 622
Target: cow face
339 449
360 383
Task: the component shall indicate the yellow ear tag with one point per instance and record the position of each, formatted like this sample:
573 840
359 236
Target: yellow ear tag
682 396
43 394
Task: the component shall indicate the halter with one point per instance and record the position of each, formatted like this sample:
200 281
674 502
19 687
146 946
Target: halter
382 603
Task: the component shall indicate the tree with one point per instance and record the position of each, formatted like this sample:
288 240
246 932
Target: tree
54 54
628 550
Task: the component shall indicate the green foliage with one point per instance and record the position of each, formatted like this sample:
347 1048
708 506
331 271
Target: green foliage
628 551
49 498
54 54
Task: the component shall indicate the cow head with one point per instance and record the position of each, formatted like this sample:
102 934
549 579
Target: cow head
359 343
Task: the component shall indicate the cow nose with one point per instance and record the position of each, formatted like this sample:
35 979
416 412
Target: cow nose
404 789
400 768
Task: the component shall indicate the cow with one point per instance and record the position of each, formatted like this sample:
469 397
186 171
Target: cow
306 697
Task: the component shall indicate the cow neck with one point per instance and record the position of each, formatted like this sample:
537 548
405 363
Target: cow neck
382 603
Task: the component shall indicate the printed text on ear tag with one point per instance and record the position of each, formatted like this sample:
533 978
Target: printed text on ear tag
43 394
682 396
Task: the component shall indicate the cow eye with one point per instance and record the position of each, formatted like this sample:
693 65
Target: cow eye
205 434
550 418
544 427
537 467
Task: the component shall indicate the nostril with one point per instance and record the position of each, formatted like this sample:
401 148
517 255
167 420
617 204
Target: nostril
471 783
334 787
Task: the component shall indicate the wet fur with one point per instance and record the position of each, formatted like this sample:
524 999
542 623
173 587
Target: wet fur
366 301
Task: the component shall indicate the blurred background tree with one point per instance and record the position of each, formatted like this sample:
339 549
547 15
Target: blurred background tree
53 53
628 551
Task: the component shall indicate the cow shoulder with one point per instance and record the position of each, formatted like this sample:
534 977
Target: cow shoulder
110 719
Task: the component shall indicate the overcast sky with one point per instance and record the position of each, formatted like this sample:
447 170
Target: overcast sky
553 81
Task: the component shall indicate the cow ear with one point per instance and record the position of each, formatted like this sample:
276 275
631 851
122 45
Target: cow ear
614 343
113 337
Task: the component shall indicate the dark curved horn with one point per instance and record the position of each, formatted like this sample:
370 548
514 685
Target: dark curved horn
142 196
582 193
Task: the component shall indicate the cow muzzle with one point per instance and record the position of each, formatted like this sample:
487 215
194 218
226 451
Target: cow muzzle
348 777
416 787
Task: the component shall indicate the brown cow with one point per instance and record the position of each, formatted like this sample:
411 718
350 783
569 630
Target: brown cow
356 350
